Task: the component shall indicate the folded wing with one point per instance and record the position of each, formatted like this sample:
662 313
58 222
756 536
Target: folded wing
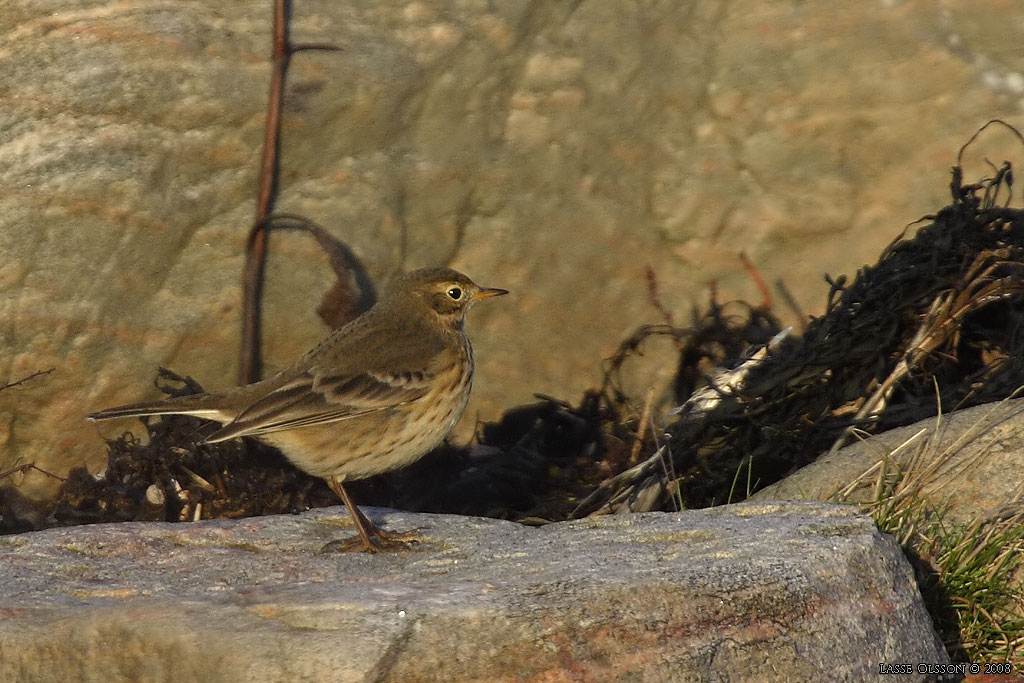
315 398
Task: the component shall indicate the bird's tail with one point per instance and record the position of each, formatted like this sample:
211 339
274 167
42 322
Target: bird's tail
185 405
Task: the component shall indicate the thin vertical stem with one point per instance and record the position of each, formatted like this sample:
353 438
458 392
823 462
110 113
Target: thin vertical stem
256 249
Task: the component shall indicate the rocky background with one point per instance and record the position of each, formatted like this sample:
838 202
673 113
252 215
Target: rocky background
557 149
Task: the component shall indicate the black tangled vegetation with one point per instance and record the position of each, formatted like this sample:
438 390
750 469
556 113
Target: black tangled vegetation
936 323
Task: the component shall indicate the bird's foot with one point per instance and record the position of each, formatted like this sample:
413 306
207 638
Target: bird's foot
376 541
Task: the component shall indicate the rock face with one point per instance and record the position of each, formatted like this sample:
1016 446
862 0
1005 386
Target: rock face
553 148
970 460
775 592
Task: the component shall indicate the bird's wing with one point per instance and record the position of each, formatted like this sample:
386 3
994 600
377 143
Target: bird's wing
366 366
315 397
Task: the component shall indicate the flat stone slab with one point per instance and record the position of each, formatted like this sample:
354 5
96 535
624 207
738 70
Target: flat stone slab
775 591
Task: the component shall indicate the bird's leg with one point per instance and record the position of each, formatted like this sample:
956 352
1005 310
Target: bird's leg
370 539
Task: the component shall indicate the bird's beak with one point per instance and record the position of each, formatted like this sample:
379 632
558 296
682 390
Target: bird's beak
488 292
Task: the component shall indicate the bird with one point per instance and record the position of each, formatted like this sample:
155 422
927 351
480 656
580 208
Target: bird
375 395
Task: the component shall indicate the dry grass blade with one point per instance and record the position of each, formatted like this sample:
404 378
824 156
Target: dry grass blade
727 382
643 485
943 321
645 415
969 573
616 489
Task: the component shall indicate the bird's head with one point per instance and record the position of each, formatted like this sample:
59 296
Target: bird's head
445 292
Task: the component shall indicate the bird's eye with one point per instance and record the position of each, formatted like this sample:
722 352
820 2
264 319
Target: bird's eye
455 293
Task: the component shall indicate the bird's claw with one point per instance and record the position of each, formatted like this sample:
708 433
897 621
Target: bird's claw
377 541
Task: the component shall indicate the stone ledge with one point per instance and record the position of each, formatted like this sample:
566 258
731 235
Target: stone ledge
769 591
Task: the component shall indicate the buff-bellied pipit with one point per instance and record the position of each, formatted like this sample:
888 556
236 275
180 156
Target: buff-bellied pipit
375 395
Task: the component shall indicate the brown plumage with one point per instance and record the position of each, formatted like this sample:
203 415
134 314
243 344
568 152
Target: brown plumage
375 395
